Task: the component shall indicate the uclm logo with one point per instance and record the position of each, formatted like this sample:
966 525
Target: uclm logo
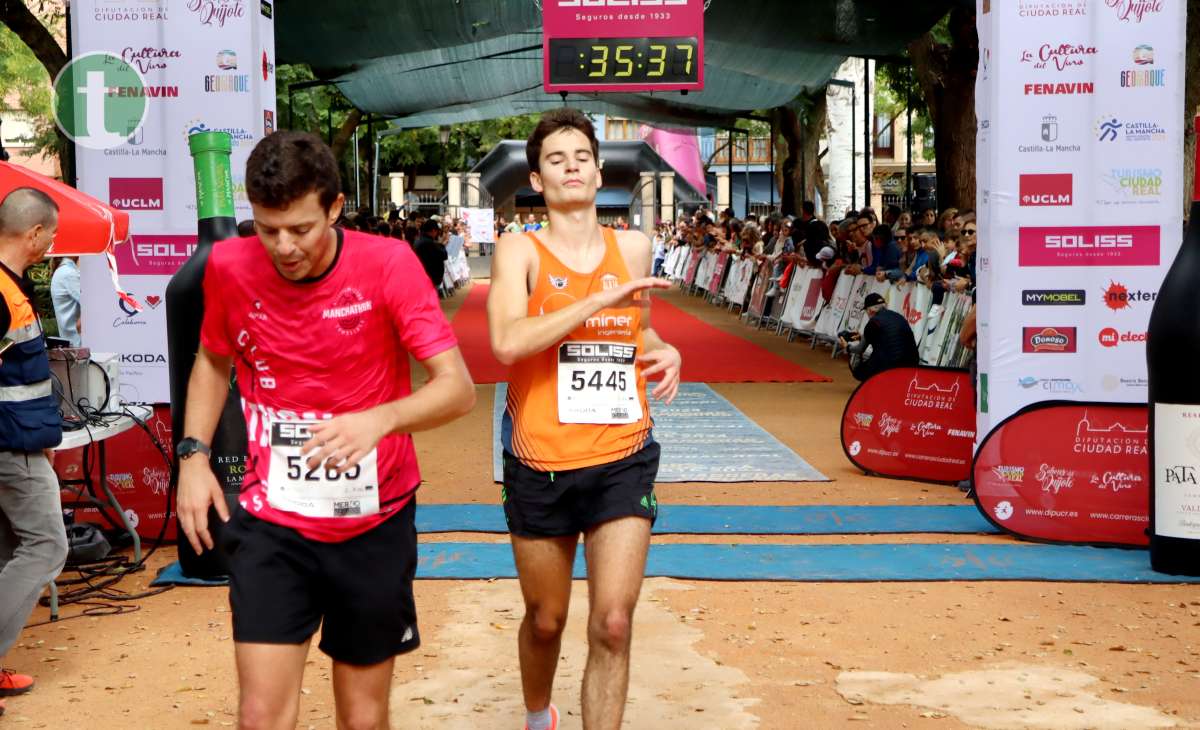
1089 246
1047 189
135 193
1048 339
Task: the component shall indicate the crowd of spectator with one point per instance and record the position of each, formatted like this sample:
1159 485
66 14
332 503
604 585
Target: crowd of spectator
937 250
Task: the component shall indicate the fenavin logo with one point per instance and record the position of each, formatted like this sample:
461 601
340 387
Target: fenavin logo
99 101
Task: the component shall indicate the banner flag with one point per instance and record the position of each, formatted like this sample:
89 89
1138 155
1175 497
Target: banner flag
912 423
1068 472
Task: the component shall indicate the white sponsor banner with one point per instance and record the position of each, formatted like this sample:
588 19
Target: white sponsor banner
481 224
1080 138
206 65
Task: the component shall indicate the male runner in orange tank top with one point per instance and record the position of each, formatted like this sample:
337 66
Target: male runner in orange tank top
569 314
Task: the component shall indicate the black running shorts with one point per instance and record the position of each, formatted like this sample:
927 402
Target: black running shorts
556 504
283 585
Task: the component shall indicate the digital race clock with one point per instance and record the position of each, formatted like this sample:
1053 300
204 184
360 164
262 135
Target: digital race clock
623 45
665 62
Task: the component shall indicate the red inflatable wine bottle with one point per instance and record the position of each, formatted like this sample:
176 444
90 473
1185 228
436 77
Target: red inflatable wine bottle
1172 351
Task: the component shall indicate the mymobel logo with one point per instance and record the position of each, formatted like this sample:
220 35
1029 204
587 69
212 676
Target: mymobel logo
100 101
1048 297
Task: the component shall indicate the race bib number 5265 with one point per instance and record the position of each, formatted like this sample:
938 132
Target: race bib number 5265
321 491
597 383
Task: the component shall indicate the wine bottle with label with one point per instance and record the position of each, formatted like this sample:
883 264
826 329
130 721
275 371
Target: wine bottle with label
1172 351
185 313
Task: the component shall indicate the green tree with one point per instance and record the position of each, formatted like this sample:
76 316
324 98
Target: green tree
30 57
944 64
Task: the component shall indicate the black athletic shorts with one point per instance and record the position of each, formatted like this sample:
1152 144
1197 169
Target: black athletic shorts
555 504
282 585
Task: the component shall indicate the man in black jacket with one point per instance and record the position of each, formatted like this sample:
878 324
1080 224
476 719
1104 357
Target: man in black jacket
889 336
431 252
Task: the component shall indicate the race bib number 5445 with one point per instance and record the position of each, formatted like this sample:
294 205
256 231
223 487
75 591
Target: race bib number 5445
317 492
597 383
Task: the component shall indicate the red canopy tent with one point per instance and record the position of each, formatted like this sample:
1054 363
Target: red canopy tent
85 225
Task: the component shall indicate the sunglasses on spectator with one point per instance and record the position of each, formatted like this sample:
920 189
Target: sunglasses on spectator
968 231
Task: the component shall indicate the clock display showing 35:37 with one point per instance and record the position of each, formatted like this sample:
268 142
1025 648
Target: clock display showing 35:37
581 61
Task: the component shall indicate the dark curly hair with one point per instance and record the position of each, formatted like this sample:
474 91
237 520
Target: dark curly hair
556 120
286 166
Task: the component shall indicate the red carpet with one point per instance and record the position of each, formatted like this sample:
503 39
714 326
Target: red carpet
709 355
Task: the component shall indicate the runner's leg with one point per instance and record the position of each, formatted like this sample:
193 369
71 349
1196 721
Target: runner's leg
616 560
361 695
269 678
544 568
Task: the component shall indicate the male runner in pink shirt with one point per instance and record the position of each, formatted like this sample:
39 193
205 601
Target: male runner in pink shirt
320 323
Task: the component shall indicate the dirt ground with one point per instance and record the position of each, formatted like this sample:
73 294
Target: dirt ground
706 655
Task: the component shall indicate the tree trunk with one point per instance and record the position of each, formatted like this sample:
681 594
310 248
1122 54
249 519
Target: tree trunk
816 124
21 20
341 140
799 173
946 76
788 122
1191 102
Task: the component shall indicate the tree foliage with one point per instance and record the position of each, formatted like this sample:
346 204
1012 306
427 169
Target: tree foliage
25 80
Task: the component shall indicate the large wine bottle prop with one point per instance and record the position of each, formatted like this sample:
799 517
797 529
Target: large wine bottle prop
1172 355
185 312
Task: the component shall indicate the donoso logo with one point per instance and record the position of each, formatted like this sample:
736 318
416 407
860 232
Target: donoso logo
1047 189
1048 339
135 193
1089 246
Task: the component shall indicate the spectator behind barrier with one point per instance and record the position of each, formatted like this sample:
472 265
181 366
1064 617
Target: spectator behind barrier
887 341
885 254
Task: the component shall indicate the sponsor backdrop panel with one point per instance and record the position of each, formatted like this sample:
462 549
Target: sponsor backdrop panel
205 66
912 423
1079 141
1068 472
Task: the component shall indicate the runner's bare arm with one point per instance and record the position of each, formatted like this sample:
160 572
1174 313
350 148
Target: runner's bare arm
514 334
448 394
657 355
208 387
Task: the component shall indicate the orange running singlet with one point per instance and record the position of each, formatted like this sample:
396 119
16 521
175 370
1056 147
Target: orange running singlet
581 402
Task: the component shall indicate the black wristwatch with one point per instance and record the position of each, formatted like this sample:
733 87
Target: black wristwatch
189 446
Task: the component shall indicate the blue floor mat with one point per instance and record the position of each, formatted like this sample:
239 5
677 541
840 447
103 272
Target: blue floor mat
172 575
704 438
834 563
745 520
